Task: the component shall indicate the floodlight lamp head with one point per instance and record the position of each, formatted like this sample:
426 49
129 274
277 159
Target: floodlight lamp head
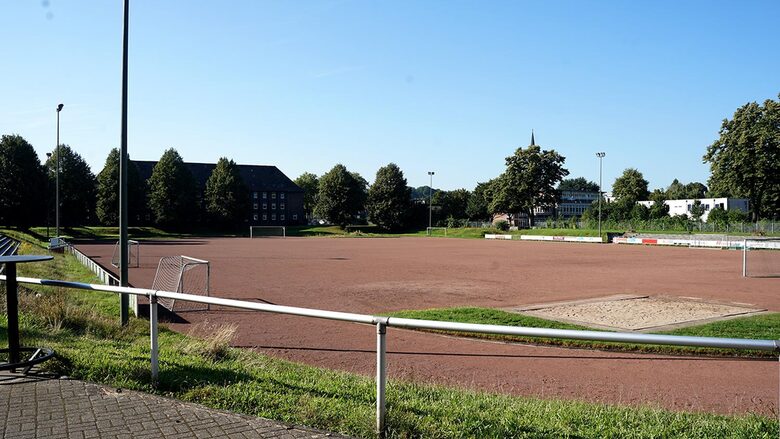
600 154
59 107
431 172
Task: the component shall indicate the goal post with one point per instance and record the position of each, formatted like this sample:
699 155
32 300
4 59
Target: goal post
430 231
133 254
183 274
266 231
761 257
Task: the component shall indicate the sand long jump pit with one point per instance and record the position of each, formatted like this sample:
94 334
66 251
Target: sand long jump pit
624 312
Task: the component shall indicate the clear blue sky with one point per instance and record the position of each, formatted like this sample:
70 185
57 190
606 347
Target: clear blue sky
449 86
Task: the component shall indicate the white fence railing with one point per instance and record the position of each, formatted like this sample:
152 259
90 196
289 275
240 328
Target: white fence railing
104 275
381 323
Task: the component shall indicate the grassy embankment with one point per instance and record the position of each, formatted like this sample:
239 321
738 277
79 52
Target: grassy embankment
762 327
81 327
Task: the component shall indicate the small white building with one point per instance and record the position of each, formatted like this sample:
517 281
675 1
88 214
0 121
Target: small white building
683 207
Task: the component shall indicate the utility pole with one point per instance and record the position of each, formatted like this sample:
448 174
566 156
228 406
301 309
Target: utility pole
124 300
57 190
430 202
600 155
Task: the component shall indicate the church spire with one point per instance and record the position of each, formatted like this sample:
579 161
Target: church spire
533 143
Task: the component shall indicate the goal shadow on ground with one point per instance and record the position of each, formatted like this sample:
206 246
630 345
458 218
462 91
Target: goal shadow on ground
164 315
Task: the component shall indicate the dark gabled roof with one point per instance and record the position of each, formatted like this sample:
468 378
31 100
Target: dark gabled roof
256 177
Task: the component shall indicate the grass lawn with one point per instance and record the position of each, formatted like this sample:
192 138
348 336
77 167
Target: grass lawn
763 327
82 328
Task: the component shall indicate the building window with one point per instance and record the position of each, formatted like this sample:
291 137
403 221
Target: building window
265 195
281 206
265 217
281 217
273 195
281 195
254 217
265 206
295 217
273 217
254 195
273 206
255 206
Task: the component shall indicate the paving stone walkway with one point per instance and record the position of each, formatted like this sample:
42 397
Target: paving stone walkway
35 407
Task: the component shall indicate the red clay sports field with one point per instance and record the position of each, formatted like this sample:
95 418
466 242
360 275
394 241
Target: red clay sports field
375 275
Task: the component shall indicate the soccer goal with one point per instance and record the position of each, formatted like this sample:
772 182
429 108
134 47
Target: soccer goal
761 257
182 274
266 231
436 231
133 254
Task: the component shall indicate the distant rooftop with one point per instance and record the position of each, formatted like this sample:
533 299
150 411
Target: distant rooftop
257 177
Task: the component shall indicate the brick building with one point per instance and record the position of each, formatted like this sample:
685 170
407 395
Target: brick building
275 200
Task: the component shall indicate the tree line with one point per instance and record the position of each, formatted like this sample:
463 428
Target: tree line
169 198
744 163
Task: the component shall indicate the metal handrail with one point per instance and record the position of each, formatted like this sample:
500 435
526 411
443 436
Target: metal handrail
382 323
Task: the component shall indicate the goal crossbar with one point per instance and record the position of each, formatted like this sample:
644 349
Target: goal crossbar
429 230
182 274
133 254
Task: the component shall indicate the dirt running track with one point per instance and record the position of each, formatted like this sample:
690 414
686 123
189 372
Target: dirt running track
377 275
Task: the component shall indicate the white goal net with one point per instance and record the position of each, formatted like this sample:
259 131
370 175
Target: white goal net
182 274
761 257
133 254
266 231
436 231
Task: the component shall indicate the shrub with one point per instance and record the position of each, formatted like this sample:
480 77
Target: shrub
502 225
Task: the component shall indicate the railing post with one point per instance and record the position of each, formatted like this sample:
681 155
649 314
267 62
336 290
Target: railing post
381 377
153 337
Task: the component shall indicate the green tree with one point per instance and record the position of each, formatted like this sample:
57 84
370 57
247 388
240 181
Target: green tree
695 190
737 216
718 216
341 196
639 212
479 202
423 192
676 191
529 182
631 186
680 191
359 190
107 204
227 196
450 204
579 184
659 209
697 210
311 186
745 160
23 189
78 187
389 198
172 196
457 203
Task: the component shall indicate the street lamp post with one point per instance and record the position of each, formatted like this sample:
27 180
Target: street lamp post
57 196
600 155
430 201
48 200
